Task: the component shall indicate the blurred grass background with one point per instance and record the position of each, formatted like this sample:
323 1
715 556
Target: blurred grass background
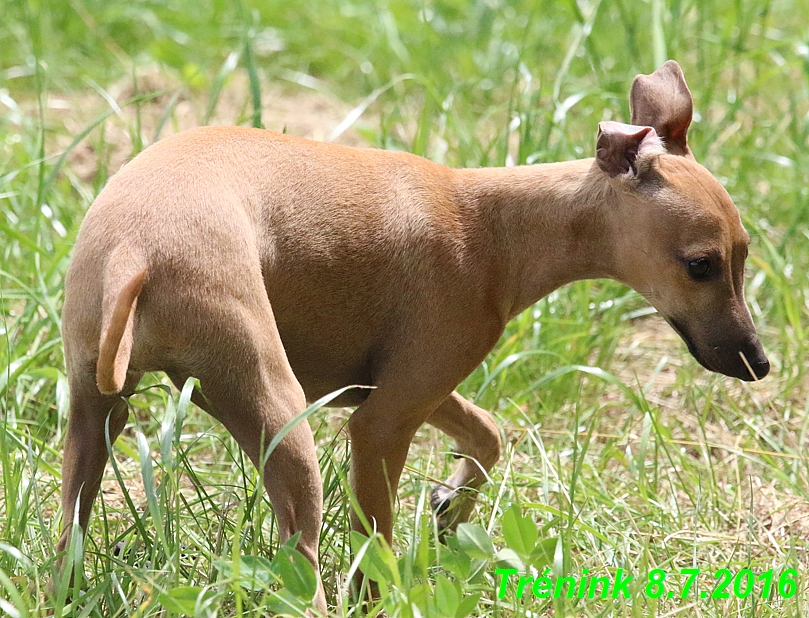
642 461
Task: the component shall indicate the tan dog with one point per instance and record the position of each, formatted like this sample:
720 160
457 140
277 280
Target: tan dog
277 270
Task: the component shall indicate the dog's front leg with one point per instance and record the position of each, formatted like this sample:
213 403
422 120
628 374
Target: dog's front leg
381 430
380 439
478 444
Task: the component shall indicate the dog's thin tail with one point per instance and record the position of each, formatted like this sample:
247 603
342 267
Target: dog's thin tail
121 291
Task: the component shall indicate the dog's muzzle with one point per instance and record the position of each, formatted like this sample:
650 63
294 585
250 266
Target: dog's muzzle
732 358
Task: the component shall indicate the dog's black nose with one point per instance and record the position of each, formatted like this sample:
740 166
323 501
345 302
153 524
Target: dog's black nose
753 357
761 368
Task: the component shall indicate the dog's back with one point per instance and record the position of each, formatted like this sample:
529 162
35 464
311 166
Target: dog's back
325 227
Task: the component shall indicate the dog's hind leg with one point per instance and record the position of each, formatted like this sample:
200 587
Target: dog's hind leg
250 388
477 444
85 453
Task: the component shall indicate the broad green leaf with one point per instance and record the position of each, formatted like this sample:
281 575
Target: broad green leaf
372 564
296 571
474 541
519 531
447 596
507 558
455 561
287 604
543 553
421 595
255 572
468 604
181 600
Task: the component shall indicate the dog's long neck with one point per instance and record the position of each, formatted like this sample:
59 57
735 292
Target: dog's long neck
547 225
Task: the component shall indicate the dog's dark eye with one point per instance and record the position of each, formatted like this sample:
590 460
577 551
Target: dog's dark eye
699 269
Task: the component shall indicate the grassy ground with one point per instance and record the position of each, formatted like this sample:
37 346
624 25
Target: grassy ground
641 461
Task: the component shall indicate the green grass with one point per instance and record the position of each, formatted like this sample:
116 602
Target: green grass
640 461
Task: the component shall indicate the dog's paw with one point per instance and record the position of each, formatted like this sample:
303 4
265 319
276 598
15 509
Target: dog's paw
451 507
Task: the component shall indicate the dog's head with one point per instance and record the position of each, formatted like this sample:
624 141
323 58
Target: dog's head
679 240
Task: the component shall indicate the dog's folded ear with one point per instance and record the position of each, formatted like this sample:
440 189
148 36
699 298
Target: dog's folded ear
662 100
620 148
